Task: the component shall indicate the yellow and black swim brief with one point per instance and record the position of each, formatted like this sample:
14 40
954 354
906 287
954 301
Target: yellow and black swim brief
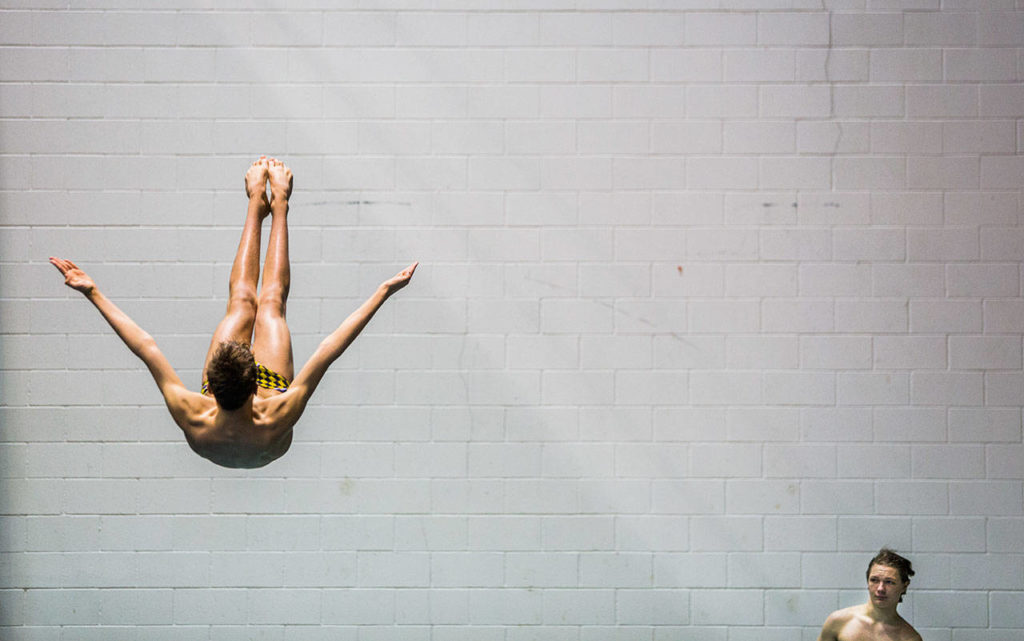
265 378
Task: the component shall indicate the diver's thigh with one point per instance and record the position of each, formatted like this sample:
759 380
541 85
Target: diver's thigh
272 344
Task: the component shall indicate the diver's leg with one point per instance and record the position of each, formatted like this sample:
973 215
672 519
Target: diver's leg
237 324
272 342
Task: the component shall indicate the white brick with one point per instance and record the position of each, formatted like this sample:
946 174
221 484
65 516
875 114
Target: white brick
764 280
575 533
675 424
612 137
946 388
1002 461
466 569
1004 534
541 569
835 424
360 606
984 352
938 607
912 497
688 497
575 29
800 533
947 171
772 424
538 65
991 498
874 461
686 65
419 29
999 99
832 65
505 606
837 497
619 570
745 352
1006 607
939 534
1001 172
839 352
937 28
825 279
718 29
725 388
933 101
981 137
1004 388
759 137
954 461
763 65
543 352
579 173
802 461
795 101
878 317
876 388
614 281
910 352
939 316
579 606
738 607
651 173
504 533
722 101
797 315
762 497
793 28
1001 243
982 280
980 65
763 570
991 425
902 65
652 607
575 101
867 29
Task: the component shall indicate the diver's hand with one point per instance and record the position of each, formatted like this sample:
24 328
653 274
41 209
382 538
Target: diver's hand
399 280
74 277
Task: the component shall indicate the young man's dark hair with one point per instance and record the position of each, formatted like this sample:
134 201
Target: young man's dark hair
231 374
890 559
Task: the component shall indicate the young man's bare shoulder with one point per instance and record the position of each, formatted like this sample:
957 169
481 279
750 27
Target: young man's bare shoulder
191 410
844 615
909 633
837 622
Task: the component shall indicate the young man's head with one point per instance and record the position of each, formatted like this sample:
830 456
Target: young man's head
888 575
231 375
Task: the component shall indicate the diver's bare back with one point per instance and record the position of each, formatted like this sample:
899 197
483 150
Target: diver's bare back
233 439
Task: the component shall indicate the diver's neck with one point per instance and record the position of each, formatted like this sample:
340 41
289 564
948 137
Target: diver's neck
242 413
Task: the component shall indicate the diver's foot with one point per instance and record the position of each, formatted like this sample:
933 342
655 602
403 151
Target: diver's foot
280 177
256 179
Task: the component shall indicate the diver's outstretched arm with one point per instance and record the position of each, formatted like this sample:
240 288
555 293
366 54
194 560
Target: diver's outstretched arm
137 339
339 340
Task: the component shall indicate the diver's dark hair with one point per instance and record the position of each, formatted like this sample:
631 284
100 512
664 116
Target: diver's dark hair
890 559
231 374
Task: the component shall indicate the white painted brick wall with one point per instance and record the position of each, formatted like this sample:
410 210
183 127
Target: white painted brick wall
715 299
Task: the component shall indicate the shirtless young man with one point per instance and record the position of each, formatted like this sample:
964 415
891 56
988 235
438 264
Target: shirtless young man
877 620
250 402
